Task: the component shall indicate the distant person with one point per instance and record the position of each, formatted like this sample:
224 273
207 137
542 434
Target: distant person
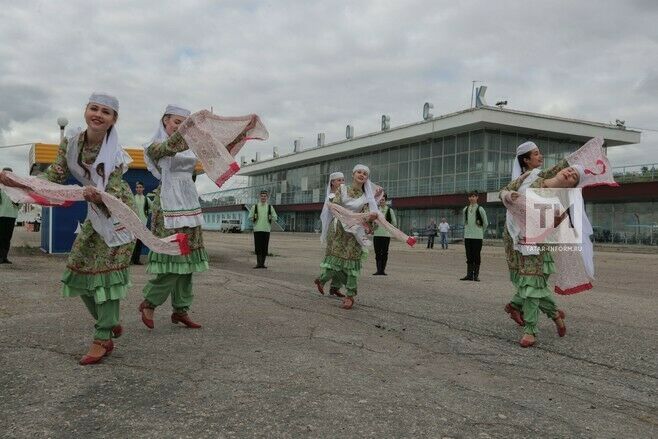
475 223
430 231
262 214
8 215
444 228
382 238
37 223
143 212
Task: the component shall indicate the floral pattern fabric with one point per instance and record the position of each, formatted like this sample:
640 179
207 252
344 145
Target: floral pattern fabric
89 254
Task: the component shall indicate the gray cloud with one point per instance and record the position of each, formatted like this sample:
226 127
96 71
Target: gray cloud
309 67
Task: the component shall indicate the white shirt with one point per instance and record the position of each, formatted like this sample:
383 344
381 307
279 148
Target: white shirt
444 227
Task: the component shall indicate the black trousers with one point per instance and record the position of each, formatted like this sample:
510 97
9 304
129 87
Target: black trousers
6 232
137 252
430 241
473 249
261 244
381 244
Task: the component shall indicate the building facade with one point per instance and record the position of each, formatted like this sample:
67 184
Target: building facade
427 167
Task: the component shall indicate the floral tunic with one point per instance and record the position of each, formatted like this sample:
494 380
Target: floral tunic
340 243
158 263
90 254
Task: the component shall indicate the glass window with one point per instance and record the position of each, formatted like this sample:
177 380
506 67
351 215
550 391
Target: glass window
508 142
393 171
475 161
413 169
403 171
462 162
425 149
436 165
493 139
414 151
424 168
403 154
393 155
476 142
437 147
449 164
462 143
449 145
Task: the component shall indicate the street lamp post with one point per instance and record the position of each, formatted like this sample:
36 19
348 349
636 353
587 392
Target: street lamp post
62 122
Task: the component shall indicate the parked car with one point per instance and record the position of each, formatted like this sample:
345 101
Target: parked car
230 226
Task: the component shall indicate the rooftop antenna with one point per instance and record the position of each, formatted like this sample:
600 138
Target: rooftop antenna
349 132
501 104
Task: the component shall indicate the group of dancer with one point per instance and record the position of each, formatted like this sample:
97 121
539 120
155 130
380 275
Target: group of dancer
97 269
351 212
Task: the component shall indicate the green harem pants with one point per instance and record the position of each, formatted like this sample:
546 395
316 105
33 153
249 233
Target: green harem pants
106 315
530 308
179 286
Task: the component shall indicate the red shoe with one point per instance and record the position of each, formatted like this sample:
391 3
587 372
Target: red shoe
148 322
527 342
561 330
184 319
514 314
117 331
336 292
319 286
348 303
108 345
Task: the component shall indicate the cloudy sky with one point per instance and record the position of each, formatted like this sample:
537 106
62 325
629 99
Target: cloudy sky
315 66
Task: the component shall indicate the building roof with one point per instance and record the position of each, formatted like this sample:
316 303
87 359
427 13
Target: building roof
533 124
44 154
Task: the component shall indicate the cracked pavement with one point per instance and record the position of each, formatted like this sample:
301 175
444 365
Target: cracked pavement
420 355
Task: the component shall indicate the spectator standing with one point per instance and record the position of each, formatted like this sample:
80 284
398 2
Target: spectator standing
430 231
475 223
444 228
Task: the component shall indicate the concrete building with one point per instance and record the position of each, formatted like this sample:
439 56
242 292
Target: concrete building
427 167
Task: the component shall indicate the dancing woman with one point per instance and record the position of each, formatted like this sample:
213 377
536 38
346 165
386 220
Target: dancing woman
531 266
97 267
336 179
175 209
345 248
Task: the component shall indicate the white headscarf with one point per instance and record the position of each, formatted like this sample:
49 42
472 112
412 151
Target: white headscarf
520 150
326 217
111 155
367 188
160 135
